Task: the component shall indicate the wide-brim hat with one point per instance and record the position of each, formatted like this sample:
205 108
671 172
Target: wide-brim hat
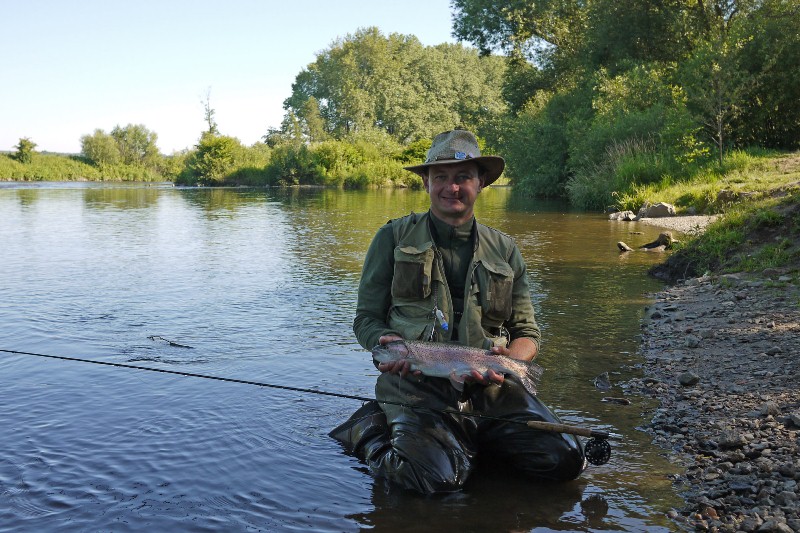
459 146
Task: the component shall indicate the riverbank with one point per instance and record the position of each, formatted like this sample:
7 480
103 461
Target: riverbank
690 225
721 356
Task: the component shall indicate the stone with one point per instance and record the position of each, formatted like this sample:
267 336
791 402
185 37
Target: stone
687 379
622 215
731 439
769 408
659 210
692 341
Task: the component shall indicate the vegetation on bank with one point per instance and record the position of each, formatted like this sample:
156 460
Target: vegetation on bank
606 103
759 229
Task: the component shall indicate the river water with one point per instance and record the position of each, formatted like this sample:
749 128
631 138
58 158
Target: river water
261 284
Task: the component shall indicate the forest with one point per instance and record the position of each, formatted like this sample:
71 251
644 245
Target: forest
592 102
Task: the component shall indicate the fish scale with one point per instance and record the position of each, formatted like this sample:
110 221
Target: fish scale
456 361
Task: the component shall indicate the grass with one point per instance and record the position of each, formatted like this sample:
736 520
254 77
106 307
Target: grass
56 167
750 173
753 235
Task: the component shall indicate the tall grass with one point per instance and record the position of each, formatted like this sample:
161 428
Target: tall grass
635 172
53 167
752 236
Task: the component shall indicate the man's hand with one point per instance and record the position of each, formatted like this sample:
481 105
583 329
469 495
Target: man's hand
402 367
522 349
491 377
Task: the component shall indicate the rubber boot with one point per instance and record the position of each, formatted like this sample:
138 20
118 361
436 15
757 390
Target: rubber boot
365 432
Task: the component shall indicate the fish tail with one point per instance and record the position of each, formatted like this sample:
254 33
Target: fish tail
530 379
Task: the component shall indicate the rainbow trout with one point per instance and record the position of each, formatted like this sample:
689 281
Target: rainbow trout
454 361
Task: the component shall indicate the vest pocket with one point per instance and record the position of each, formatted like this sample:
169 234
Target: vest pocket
496 282
412 272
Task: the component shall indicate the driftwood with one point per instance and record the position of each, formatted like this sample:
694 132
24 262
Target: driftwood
663 242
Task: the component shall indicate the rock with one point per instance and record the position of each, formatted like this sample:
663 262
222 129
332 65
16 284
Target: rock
619 401
692 341
769 408
731 439
602 382
658 210
725 196
687 379
733 279
751 523
774 526
771 272
794 419
737 430
624 247
622 215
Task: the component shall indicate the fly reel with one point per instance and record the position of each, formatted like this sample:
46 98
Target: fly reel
597 451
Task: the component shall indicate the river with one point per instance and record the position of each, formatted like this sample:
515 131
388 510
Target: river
260 284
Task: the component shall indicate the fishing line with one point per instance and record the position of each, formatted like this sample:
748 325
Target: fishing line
597 448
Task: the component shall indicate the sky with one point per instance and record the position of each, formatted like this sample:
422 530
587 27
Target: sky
69 67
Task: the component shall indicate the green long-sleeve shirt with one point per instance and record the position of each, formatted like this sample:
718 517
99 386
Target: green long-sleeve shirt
375 298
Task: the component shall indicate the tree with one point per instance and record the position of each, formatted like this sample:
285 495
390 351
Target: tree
520 28
716 87
209 114
290 132
100 148
24 148
313 123
137 144
215 158
395 84
770 55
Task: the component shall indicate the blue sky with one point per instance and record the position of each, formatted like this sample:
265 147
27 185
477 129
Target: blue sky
70 67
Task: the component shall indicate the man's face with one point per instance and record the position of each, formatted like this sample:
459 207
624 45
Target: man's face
453 190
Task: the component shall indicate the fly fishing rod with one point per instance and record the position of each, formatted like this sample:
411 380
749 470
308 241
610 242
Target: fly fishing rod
597 449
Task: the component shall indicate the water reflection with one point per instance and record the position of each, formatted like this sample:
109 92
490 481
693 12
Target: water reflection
491 501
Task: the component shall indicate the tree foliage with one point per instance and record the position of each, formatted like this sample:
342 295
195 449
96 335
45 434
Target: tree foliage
24 153
617 94
393 83
215 157
137 144
100 148
208 114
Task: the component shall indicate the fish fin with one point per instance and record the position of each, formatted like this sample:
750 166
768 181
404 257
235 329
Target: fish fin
531 378
457 381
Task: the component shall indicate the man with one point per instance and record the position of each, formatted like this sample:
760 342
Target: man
443 276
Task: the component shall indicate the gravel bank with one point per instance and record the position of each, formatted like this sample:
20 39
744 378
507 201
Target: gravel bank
690 225
721 355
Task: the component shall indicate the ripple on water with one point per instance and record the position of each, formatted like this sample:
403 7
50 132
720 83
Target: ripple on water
89 448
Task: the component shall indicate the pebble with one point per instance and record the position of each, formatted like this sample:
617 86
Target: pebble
729 401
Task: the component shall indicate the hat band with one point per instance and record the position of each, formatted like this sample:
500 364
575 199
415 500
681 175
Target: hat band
457 156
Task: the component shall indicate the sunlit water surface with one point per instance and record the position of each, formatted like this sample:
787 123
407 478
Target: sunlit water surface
262 285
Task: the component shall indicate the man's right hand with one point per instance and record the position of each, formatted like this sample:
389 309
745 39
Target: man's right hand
402 367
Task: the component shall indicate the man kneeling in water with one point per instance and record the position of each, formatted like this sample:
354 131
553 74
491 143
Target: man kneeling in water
443 276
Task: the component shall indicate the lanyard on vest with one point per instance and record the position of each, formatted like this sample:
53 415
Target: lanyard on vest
437 314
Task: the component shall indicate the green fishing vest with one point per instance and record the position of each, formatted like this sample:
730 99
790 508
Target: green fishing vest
419 286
